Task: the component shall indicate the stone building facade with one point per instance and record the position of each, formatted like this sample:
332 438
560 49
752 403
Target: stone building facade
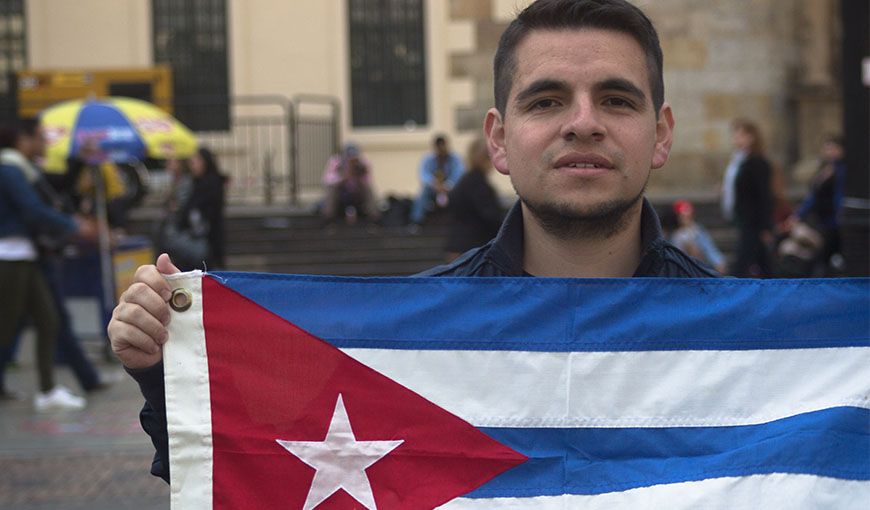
773 61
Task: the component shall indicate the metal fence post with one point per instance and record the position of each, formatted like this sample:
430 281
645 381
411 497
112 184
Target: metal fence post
292 152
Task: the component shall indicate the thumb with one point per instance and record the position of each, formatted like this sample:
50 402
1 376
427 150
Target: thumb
165 265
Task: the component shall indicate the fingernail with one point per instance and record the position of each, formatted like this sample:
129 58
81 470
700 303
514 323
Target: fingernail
165 294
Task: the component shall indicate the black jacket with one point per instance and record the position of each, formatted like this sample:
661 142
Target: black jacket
503 256
207 198
753 198
475 213
500 257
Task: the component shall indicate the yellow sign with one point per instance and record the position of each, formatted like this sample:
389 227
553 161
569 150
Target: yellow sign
37 90
71 79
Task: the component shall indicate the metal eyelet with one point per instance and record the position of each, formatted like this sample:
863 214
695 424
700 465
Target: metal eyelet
180 300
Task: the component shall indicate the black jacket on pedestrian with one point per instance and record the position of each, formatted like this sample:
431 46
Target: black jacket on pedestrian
753 198
207 199
503 256
475 213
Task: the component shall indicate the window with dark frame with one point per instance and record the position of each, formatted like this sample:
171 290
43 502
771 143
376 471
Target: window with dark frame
191 37
387 63
13 54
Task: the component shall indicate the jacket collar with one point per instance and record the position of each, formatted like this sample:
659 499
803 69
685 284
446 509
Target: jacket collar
14 158
506 250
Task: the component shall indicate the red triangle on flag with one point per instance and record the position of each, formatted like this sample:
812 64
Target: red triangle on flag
270 381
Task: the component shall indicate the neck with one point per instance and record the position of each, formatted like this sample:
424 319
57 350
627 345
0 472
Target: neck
614 256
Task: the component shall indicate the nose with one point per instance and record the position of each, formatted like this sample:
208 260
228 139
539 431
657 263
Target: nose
583 122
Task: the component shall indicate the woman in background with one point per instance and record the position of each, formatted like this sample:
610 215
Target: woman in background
748 201
200 219
475 212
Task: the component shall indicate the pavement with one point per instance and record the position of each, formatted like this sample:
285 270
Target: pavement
95 459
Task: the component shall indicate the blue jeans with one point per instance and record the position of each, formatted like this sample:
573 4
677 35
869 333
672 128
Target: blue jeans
422 204
67 343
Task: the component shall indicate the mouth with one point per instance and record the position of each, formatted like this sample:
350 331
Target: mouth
583 163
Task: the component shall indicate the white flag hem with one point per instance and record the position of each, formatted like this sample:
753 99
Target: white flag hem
188 401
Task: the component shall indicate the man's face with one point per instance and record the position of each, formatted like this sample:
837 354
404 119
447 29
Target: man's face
441 150
579 134
832 151
32 146
37 147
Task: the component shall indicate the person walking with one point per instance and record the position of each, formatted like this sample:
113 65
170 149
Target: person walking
747 201
26 294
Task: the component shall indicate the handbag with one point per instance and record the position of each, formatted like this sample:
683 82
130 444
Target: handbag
187 247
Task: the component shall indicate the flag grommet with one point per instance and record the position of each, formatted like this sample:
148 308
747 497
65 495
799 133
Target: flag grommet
180 300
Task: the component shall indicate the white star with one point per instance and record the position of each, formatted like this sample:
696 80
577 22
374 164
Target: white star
340 461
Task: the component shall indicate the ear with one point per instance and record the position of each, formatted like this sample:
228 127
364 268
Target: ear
493 128
664 136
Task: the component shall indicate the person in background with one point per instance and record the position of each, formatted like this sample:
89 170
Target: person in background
79 182
26 294
475 211
203 211
691 237
180 185
55 191
440 170
747 201
347 181
821 207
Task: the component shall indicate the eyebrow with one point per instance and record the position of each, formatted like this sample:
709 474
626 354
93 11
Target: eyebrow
622 85
539 86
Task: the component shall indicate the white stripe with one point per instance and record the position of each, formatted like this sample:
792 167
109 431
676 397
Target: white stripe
658 389
794 492
188 402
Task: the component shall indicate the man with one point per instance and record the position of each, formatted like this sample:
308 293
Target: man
24 219
347 180
579 123
439 172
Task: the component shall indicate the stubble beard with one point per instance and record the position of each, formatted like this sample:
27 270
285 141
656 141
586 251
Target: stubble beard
568 221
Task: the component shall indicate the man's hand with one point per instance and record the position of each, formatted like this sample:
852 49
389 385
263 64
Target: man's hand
87 228
137 330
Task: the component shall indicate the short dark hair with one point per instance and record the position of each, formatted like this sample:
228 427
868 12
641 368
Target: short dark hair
439 140
749 127
12 132
835 139
617 15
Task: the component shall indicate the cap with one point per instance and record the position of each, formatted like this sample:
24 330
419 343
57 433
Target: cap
350 150
683 207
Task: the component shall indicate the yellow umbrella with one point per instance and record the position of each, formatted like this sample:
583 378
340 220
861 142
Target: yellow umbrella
123 129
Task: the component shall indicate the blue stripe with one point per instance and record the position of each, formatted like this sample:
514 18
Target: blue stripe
550 314
832 443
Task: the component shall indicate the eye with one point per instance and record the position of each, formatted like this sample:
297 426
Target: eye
543 104
619 102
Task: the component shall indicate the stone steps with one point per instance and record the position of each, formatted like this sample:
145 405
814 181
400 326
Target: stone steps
278 240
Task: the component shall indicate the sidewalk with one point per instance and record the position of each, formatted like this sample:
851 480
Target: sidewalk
95 459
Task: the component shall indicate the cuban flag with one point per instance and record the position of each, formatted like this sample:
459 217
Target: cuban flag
307 392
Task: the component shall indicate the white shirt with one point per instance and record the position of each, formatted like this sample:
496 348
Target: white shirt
728 184
17 249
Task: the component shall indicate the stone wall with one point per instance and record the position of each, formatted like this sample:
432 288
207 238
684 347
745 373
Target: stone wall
774 61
